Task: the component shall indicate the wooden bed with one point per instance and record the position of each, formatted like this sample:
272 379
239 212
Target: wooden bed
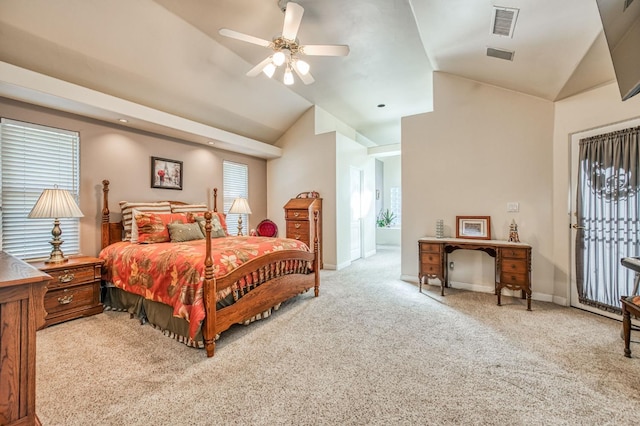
272 289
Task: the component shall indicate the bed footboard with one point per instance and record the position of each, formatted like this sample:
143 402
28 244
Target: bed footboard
264 282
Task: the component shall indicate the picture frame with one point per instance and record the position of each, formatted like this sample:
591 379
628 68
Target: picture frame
166 173
473 227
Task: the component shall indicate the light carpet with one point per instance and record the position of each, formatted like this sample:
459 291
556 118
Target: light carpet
371 350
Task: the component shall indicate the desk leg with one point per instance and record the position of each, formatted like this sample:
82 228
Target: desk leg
626 330
499 293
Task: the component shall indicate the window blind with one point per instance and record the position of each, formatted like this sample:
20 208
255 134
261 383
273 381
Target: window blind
34 158
235 180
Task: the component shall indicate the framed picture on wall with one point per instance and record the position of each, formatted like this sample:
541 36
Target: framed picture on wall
165 173
476 227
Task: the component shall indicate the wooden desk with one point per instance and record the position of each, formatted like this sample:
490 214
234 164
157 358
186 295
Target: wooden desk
512 262
22 289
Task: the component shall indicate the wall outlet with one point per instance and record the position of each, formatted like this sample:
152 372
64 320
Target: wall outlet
513 206
450 265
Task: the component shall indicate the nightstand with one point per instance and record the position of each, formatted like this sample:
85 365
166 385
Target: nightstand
74 290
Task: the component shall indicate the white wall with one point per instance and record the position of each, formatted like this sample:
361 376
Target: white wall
589 110
480 148
123 156
350 153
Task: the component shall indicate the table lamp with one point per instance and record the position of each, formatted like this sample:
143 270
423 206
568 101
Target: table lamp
240 206
55 204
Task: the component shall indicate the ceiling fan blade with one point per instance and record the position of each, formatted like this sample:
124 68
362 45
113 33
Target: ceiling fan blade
306 78
292 19
325 50
258 68
244 37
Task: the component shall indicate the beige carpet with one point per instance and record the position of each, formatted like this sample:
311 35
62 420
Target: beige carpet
370 350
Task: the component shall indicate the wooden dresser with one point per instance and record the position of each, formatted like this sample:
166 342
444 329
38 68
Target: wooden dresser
74 291
298 213
22 289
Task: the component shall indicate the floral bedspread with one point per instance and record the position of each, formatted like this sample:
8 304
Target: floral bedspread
173 273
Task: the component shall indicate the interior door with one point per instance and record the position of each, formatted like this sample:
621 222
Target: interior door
574 228
356 213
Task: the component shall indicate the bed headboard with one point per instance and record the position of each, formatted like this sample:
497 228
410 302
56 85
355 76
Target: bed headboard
111 232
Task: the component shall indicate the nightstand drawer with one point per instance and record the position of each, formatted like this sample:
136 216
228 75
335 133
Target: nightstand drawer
69 299
74 276
297 227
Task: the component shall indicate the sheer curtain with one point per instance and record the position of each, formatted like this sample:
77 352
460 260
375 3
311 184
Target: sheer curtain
608 214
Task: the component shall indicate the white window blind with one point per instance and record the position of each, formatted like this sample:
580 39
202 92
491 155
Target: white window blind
34 158
396 204
235 179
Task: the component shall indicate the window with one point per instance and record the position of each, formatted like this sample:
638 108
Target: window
396 205
235 179
34 158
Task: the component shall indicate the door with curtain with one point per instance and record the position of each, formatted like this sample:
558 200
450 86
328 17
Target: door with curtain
605 216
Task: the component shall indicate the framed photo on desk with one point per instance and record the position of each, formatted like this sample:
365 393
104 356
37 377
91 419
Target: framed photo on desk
475 227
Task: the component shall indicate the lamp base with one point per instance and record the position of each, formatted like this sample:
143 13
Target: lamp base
239 225
56 255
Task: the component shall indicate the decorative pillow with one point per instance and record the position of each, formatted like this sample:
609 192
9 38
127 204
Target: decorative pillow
221 218
127 208
187 208
181 232
216 227
152 227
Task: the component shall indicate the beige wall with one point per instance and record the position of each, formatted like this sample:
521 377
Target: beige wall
307 164
113 152
480 148
590 110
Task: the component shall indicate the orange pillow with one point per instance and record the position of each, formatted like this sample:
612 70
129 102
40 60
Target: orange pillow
152 227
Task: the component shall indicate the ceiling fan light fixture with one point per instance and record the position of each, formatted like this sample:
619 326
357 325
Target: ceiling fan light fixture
269 69
279 58
302 66
288 77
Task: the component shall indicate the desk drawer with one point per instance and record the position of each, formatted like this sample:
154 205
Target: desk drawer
514 266
514 278
430 247
514 253
430 258
430 269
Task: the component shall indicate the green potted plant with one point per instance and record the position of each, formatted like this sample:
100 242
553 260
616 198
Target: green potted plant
385 218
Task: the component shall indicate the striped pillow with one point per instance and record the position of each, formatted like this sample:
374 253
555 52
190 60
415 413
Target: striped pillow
127 208
188 208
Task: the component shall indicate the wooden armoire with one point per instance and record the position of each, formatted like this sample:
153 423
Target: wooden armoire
298 213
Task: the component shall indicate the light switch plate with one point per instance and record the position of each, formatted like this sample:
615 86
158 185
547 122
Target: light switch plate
513 206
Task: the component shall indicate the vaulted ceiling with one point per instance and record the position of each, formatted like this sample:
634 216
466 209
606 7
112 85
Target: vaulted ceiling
168 55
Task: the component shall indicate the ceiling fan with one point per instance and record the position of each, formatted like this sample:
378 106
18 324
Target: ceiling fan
287 50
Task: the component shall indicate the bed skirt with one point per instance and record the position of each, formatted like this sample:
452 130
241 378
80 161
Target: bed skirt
160 316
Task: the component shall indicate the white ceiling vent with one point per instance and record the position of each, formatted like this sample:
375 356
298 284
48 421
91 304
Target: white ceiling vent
500 53
503 21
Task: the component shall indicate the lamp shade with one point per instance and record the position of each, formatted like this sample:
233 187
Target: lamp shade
54 204
240 206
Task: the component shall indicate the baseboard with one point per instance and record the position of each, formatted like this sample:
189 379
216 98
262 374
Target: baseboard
479 288
336 267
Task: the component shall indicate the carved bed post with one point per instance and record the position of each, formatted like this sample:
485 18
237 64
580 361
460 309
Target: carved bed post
105 237
209 294
316 260
215 199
